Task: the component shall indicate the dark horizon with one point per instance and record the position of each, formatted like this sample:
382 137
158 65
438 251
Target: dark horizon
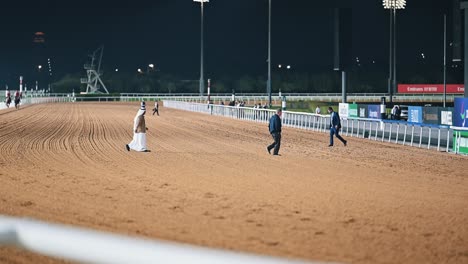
167 34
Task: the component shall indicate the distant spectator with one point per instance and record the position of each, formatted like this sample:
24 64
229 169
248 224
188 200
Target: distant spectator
317 110
393 112
398 113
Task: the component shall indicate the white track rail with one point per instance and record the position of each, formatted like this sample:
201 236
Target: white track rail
89 246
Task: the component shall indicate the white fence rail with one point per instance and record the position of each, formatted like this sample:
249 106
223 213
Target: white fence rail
89 246
400 132
37 100
322 97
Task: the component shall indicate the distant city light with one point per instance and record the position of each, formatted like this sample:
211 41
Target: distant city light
116 70
279 66
139 71
288 67
151 65
39 67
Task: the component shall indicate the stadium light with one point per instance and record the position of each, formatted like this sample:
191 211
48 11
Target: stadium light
393 5
202 81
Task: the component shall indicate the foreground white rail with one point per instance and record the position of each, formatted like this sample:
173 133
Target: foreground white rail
87 246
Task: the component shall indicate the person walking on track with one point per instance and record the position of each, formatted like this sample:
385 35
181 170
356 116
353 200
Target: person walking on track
275 131
139 131
156 107
335 126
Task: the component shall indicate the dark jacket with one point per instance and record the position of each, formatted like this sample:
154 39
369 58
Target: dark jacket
275 124
335 120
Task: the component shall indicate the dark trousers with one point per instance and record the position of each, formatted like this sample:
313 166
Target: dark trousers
277 144
334 131
155 110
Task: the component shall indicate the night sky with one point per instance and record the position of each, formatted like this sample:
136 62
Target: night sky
167 34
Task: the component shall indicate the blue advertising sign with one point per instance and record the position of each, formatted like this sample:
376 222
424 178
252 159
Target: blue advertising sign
373 111
415 114
460 112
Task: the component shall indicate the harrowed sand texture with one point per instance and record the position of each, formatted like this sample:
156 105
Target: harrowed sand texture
209 181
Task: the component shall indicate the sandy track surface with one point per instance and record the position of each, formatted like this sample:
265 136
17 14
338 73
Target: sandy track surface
210 181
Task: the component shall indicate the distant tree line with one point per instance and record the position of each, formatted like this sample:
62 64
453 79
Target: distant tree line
360 80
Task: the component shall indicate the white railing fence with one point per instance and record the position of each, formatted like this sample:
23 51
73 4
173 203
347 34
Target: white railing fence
414 134
37 100
89 246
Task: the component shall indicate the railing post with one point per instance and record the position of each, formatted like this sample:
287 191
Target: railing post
397 133
438 141
358 126
429 141
383 132
390 134
448 140
420 136
376 130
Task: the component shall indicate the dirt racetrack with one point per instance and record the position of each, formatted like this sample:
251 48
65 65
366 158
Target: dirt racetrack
210 181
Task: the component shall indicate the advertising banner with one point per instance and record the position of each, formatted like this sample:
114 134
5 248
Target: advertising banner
446 116
431 88
431 115
362 110
353 110
373 111
343 110
415 114
460 112
460 142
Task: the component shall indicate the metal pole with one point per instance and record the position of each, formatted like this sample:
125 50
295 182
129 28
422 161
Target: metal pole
464 5
269 54
202 81
445 59
394 88
343 87
390 74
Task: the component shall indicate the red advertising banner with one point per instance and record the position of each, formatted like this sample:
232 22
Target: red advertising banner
431 88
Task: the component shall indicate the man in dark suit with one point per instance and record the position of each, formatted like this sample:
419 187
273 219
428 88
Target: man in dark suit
275 131
335 126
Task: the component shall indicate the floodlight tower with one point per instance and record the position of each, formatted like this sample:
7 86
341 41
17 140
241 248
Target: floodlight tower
269 54
202 81
94 82
393 5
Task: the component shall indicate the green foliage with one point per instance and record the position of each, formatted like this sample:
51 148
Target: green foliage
67 84
359 81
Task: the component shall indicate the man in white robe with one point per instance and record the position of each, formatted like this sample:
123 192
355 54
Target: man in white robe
139 131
